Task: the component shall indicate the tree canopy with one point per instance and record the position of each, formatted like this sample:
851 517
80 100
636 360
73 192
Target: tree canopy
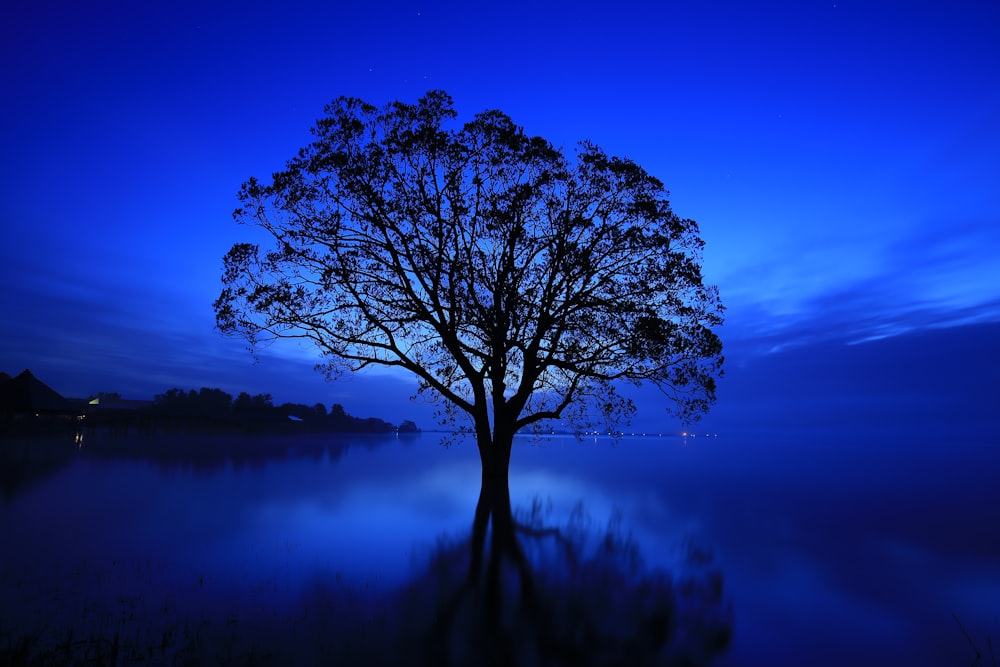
518 284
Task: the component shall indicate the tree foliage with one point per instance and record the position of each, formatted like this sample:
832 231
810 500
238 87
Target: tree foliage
516 283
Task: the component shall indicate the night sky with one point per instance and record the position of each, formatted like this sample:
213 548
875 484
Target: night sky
841 158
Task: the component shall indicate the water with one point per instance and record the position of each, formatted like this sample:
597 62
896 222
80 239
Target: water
831 550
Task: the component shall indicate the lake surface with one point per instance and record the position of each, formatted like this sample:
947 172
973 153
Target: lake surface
832 550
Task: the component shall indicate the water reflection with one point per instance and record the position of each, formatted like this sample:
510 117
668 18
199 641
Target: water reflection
208 551
517 589
520 591
26 461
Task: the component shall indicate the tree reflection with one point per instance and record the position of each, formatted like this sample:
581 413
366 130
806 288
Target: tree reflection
519 592
518 589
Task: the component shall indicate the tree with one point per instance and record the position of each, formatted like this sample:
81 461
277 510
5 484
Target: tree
243 402
257 403
518 285
206 401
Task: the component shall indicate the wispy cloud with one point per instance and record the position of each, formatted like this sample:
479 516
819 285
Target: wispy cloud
938 276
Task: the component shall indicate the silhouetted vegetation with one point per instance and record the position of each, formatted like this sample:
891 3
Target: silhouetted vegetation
517 285
972 644
212 409
260 410
174 410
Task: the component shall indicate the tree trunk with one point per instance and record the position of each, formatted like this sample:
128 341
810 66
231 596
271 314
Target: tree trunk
494 508
496 600
494 494
491 498
494 451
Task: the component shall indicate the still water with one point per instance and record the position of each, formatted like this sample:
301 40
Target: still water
831 550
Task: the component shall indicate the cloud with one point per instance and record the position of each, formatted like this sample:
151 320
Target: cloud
81 337
938 276
930 381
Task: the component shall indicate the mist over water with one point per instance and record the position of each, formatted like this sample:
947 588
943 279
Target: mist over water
842 548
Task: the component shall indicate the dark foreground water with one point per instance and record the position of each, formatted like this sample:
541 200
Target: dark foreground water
830 551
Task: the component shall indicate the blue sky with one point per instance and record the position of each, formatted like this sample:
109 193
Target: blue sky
840 157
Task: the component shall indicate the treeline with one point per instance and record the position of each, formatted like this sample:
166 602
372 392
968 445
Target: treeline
260 409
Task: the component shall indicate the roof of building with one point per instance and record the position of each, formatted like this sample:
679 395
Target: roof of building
26 393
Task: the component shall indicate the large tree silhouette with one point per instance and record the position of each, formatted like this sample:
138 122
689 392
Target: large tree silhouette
517 284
